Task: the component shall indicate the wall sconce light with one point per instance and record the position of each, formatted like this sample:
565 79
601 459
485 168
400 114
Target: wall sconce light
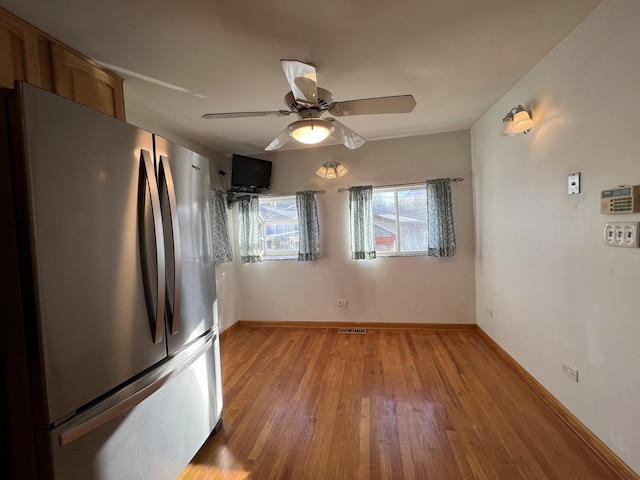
331 170
518 120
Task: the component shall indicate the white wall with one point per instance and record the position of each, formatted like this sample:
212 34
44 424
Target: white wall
556 291
409 289
225 273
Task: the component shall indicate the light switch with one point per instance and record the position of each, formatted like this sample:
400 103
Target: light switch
622 234
574 183
609 234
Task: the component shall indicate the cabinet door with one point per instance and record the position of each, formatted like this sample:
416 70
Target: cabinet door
85 82
18 52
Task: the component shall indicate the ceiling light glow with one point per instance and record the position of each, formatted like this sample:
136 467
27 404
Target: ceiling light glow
310 131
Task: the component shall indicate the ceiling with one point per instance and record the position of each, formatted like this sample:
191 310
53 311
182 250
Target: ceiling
183 59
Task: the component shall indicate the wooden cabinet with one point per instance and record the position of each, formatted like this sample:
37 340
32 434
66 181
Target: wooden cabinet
85 82
19 58
29 54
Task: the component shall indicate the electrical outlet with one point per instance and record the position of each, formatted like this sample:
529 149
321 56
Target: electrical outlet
570 372
490 312
342 302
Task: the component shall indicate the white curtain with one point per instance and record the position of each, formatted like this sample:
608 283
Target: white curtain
363 245
250 251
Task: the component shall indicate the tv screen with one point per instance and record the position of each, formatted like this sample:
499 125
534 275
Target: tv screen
247 172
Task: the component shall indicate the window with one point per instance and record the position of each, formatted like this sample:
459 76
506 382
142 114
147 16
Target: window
400 220
279 224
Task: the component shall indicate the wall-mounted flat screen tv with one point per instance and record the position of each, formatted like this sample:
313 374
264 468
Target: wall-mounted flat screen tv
250 173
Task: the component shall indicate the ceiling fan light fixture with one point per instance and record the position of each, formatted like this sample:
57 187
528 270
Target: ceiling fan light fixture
310 131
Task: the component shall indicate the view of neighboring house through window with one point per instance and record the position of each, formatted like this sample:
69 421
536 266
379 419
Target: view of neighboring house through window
279 223
400 220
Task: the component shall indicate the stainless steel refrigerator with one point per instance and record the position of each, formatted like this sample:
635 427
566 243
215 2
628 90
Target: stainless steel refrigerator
110 360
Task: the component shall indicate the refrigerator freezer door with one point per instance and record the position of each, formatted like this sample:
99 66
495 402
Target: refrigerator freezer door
150 434
83 170
188 173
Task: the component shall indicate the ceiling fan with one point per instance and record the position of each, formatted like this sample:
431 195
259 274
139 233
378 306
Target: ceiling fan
311 102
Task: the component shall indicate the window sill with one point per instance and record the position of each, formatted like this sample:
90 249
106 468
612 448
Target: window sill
407 254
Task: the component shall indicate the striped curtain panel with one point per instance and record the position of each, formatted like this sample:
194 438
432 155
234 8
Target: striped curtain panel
441 236
249 229
222 250
363 245
309 233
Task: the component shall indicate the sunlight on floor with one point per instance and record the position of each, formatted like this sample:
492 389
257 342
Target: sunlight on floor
227 468
215 472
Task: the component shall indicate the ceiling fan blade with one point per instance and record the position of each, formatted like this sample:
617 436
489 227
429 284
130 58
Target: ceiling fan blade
303 80
276 113
282 138
368 106
348 137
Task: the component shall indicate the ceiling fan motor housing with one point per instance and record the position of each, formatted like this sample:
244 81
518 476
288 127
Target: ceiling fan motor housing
325 98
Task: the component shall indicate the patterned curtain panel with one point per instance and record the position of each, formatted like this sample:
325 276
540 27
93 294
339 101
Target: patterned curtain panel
222 250
441 240
249 230
309 245
363 245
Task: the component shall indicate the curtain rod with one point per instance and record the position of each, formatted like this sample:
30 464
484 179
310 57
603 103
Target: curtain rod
233 197
285 194
240 193
457 179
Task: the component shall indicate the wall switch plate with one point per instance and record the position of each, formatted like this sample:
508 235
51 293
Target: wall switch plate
570 372
574 183
622 234
342 302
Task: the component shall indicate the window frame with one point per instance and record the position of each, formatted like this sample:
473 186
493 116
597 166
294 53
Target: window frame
398 252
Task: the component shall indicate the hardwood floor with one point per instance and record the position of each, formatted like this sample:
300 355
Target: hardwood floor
316 404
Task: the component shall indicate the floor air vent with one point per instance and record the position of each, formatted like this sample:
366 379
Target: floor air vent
358 331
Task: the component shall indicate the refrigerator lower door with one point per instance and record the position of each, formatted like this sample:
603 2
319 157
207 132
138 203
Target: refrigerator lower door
185 198
150 433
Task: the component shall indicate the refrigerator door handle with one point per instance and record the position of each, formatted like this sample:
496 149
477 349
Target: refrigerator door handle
147 177
95 422
174 310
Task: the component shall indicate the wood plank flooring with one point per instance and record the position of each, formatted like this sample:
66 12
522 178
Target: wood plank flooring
316 404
